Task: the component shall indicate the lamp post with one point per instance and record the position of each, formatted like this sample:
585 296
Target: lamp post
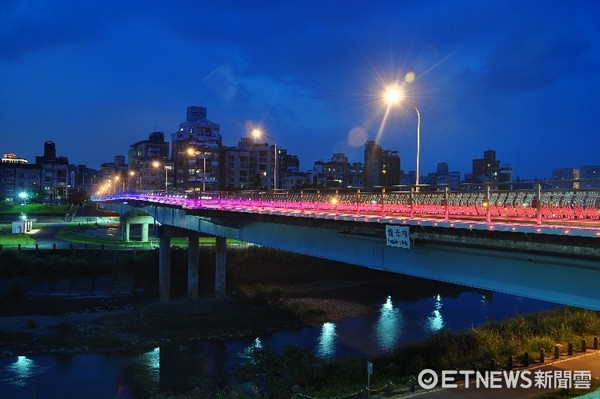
132 177
117 179
257 134
193 152
395 95
157 164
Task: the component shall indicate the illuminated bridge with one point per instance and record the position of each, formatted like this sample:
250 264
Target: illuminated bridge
543 244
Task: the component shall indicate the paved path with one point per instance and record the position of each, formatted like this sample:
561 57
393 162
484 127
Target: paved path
589 361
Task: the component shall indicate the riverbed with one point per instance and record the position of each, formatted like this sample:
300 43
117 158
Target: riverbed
391 314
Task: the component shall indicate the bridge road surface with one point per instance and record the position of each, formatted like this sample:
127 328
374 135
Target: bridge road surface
588 362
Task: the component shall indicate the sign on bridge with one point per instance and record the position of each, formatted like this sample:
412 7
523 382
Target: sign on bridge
397 236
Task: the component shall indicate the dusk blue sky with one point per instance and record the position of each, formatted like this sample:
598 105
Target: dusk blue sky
520 77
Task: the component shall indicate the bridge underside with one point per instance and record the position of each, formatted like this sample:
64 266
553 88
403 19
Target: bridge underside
557 277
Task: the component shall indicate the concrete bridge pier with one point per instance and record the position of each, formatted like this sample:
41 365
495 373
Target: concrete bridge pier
221 268
164 268
193 261
126 230
165 233
145 229
127 219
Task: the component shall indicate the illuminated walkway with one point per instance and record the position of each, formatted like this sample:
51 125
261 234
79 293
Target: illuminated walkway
564 212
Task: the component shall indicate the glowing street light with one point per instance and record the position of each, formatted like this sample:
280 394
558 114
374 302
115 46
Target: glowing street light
157 165
395 95
117 178
193 152
23 196
257 134
132 176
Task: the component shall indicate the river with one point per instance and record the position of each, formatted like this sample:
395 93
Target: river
398 316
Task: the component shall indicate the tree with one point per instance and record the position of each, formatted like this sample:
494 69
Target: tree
78 197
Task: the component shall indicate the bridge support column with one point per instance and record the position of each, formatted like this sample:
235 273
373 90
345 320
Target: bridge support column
126 229
145 228
193 260
220 268
164 269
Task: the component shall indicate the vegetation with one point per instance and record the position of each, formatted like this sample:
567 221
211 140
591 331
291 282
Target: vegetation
34 209
15 239
277 372
82 234
52 264
78 197
73 233
498 340
569 393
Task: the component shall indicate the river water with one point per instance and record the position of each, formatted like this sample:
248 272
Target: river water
400 314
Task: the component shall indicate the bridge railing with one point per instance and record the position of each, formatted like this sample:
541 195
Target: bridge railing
488 202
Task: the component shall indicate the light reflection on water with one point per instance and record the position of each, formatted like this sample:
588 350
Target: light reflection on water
248 352
435 321
326 343
388 328
22 370
152 361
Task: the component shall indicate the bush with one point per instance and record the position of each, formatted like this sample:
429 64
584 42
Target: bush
65 331
264 295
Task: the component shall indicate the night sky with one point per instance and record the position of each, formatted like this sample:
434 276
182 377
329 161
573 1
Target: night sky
520 77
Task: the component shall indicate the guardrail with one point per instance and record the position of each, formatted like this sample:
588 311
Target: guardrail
534 206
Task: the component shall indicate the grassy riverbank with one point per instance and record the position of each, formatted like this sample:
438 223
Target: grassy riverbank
279 372
110 236
278 375
34 209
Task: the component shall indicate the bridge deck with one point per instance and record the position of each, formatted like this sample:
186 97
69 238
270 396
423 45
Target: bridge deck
559 213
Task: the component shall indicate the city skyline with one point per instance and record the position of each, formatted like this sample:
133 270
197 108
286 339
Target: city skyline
99 76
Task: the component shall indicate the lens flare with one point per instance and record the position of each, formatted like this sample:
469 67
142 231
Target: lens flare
357 136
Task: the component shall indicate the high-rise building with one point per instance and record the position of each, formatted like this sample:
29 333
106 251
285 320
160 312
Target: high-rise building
19 180
381 167
590 176
486 170
442 168
53 182
196 149
442 176
85 178
505 175
117 172
332 172
250 165
287 163
565 178
143 155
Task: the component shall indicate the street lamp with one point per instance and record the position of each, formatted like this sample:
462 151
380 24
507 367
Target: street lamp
132 174
193 152
394 95
156 165
257 134
117 178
